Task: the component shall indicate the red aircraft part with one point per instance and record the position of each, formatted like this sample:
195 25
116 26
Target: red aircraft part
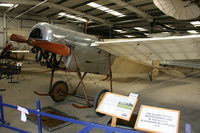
46 45
18 38
52 47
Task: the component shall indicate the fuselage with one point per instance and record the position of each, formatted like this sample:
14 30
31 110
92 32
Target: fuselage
89 59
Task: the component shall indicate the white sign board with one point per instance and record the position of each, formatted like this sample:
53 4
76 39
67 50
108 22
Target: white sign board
117 105
153 119
133 95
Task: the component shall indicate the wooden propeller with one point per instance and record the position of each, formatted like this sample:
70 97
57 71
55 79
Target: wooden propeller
18 38
46 45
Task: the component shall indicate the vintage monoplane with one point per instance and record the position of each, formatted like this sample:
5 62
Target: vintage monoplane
85 53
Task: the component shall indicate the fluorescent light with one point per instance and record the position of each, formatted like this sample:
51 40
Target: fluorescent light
16 5
192 31
81 19
129 36
195 23
69 16
140 28
93 4
63 14
105 9
6 4
87 39
121 31
115 13
170 26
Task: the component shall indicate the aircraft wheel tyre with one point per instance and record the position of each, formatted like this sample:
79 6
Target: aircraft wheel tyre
59 91
97 100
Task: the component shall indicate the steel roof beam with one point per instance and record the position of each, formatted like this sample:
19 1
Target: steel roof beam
82 4
44 9
133 9
79 13
50 4
92 9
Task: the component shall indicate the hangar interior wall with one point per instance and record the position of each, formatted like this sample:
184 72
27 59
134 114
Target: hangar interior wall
22 27
1 31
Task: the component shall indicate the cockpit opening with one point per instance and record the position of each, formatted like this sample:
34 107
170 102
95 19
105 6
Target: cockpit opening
36 33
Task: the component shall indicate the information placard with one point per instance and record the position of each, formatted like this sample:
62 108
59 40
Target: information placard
117 105
154 119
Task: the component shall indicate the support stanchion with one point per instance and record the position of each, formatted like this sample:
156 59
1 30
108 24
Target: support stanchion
88 126
188 128
38 117
1 109
110 73
114 121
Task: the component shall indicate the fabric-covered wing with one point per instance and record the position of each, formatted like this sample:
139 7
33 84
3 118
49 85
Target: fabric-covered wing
146 49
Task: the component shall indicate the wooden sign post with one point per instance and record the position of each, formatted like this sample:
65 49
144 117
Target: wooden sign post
114 121
117 106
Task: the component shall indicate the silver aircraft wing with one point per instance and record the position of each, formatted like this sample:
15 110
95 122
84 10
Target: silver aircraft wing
148 49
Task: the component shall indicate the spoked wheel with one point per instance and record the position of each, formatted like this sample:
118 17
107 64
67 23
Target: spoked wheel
59 91
98 99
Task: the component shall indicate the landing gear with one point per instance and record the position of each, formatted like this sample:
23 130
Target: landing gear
59 91
98 99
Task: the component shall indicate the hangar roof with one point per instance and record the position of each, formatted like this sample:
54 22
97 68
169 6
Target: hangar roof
110 18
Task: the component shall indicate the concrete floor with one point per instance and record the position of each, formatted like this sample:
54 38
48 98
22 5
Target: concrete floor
180 94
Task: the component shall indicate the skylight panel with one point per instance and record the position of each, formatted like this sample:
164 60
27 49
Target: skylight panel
63 14
195 23
192 31
93 4
140 28
69 16
114 12
129 36
16 5
121 31
170 26
105 9
6 4
81 19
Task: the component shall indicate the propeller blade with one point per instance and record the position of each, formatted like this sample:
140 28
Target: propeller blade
49 46
18 38
52 47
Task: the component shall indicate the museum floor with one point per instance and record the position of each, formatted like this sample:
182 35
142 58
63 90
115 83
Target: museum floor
164 91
